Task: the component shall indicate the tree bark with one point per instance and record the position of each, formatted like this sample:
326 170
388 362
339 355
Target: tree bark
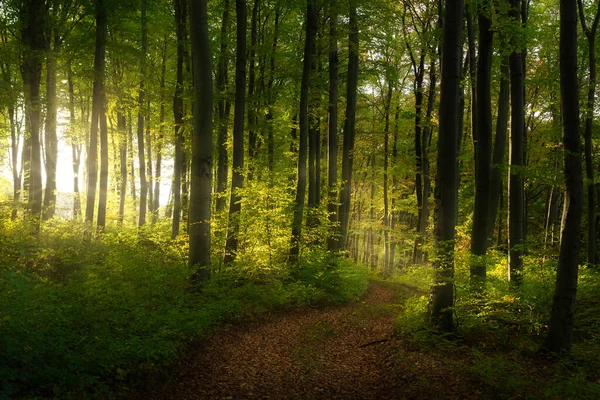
332 143
140 118
442 290
202 146
590 33
303 122
223 112
51 139
499 148
33 21
483 147
252 103
160 139
516 234
560 328
237 181
349 126
97 98
178 110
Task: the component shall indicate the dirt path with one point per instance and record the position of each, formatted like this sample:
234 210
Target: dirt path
346 352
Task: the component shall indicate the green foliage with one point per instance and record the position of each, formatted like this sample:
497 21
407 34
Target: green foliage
78 317
499 331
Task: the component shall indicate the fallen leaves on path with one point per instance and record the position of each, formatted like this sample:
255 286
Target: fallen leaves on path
345 352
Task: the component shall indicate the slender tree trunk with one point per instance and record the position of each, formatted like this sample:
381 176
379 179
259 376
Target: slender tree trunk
332 143
51 139
472 75
149 172
560 328
483 149
394 213
516 234
237 181
122 128
499 148
271 97
442 290
33 21
419 71
303 121
590 33
76 146
202 146
140 118
15 139
178 109
223 112
97 98
160 139
349 126
103 187
252 103
386 209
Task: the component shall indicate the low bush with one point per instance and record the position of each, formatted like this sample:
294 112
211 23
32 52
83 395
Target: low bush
77 317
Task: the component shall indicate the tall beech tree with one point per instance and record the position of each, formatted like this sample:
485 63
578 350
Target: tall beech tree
332 142
97 106
590 34
141 115
202 146
516 191
223 110
442 290
349 126
32 16
178 112
499 147
483 144
311 27
237 179
560 328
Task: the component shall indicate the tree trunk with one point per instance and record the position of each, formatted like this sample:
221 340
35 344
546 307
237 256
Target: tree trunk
149 172
140 119
560 328
237 181
483 149
271 97
590 33
103 188
332 143
51 139
252 103
180 26
499 148
32 17
349 126
202 146
97 98
516 234
223 112
122 128
442 290
160 139
303 121
387 270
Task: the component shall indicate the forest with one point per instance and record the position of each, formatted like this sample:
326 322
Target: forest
354 199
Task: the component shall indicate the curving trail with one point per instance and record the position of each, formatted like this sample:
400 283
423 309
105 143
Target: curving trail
347 352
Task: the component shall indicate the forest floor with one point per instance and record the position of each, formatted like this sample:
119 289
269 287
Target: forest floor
345 352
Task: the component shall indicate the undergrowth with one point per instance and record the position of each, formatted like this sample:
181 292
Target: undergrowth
499 332
78 317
